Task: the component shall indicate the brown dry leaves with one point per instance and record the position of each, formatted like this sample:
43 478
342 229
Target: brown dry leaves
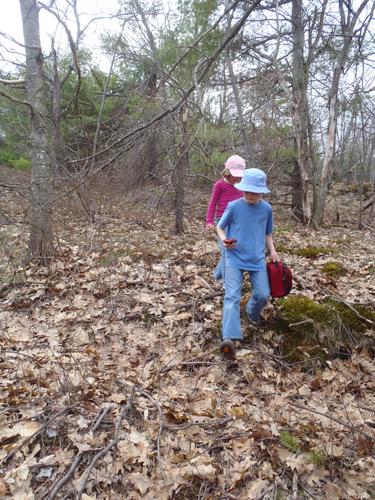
127 323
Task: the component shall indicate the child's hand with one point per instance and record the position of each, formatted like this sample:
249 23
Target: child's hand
210 227
274 256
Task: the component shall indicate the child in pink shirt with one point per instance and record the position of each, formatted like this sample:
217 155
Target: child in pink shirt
222 193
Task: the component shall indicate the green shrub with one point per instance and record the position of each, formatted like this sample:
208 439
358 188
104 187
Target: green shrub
289 441
6 157
11 159
21 163
318 458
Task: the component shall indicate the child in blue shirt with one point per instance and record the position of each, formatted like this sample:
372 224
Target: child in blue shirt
247 220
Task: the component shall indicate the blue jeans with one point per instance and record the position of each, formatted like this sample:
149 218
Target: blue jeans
219 273
231 326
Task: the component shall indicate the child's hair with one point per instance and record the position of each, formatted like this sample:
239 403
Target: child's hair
226 173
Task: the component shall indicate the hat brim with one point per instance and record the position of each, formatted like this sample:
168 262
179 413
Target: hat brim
236 172
249 188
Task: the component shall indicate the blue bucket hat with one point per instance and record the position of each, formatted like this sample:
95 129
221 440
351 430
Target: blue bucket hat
253 181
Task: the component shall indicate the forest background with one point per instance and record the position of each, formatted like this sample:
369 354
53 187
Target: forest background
110 318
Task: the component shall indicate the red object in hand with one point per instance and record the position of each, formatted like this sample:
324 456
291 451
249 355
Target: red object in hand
230 241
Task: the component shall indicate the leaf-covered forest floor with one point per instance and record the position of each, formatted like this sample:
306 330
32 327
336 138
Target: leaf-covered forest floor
113 385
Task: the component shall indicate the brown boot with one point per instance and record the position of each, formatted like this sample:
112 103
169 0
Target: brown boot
227 349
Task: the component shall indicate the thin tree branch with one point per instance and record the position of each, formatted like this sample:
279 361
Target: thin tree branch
17 101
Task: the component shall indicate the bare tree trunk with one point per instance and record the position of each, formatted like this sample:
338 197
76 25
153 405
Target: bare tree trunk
150 146
322 184
40 217
347 27
151 137
237 100
179 173
56 108
57 86
236 94
301 176
297 206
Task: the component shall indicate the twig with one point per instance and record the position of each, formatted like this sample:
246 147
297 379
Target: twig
191 303
228 495
278 359
30 438
307 408
339 299
366 408
206 283
161 427
306 490
301 282
105 450
103 412
368 204
219 421
295 485
192 363
308 320
189 361
60 483
264 493
21 187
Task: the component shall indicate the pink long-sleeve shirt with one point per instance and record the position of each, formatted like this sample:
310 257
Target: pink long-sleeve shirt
222 194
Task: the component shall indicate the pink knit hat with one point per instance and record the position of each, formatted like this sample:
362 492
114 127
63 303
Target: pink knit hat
236 165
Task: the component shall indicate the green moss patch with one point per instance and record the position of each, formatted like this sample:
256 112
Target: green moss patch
309 252
334 269
282 248
286 228
312 252
313 330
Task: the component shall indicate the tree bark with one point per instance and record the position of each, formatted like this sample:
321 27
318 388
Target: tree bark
236 94
40 217
179 174
301 175
237 100
151 135
347 28
297 205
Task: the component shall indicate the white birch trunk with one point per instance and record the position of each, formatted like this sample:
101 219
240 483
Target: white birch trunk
40 216
321 187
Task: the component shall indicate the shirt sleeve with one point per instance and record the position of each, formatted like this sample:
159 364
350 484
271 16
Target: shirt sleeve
210 215
269 223
226 218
